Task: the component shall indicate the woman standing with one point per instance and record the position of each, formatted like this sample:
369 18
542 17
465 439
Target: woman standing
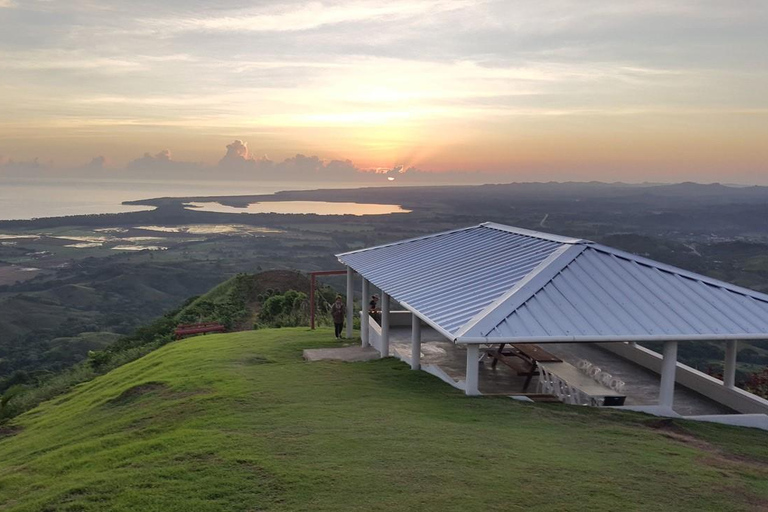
338 312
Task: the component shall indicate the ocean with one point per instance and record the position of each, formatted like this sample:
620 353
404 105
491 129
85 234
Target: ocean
29 199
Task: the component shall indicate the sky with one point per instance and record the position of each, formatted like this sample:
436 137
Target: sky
560 90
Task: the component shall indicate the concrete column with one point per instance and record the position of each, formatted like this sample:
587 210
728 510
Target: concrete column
668 366
473 367
364 317
350 301
415 342
729 370
384 324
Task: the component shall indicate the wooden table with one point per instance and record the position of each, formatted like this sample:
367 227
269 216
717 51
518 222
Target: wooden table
523 358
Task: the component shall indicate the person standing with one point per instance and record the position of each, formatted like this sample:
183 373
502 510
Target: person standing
373 309
338 312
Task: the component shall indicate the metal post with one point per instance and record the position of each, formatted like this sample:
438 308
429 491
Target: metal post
364 322
415 342
350 301
729 370
473 368
668 366
312 301
384 324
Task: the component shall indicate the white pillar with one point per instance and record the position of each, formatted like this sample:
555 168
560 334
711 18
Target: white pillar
473 367
364 317
668 366
350 301
384 324
729 370
415 342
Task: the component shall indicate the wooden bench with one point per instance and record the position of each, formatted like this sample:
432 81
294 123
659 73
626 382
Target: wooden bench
200 328
523 358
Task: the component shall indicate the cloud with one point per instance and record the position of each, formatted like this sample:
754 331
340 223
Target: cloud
237 164
299 167
160 159
313 168
399 174
161 165
237 154
96 163
310 15
23 169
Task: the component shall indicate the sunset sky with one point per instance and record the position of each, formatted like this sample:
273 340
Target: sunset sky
545 90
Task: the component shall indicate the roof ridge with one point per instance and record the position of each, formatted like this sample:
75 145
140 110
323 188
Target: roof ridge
408 240
535 234
490 225
680 271
527 287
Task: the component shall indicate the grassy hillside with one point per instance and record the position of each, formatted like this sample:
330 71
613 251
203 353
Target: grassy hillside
240 422
34 355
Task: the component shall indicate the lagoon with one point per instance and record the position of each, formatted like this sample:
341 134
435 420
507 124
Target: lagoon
300 207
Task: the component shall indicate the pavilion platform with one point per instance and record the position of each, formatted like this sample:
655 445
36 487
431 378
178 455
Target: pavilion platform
642 385
555 301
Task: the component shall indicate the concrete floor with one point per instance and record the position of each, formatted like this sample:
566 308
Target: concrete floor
642 385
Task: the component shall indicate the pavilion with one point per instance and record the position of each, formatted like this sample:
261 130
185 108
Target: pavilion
490 284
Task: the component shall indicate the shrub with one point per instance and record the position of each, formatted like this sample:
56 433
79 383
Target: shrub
287 310
757 383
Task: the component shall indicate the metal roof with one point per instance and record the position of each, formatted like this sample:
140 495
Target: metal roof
490 283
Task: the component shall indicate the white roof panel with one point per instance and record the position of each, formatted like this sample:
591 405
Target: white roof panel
450 277
490 283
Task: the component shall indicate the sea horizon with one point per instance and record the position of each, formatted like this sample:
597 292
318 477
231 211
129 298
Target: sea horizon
26 199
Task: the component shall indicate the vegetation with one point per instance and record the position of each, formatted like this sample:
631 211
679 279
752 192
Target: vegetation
757 383
227 304
289 309
231 303
83 300
240 422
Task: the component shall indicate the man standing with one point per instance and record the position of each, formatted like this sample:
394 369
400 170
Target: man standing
338 312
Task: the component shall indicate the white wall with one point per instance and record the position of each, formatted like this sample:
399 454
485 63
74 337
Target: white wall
396 319
735 398
374 333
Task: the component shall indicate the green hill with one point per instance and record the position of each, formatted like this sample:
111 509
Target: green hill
34 327
239 422
236 301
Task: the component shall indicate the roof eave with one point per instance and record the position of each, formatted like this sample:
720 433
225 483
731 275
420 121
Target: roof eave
489 340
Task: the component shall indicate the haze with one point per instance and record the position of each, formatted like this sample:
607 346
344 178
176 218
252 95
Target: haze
514 90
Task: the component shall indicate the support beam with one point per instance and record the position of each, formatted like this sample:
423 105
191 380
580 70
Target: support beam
415 342
350 301
668 367
312 301
473 370
364 317
729 370
384 324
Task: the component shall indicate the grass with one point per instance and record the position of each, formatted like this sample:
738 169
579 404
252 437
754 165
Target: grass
239 422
